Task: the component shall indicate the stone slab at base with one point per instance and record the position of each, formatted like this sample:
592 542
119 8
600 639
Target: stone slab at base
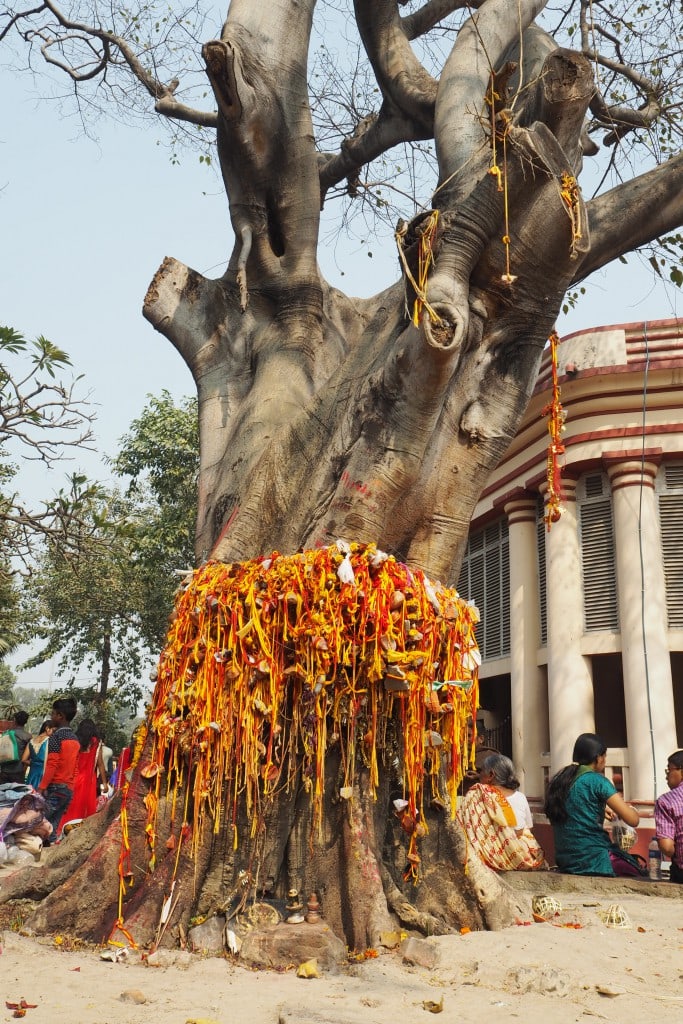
540 882
286 945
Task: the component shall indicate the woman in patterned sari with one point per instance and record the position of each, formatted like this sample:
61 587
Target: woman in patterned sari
497 821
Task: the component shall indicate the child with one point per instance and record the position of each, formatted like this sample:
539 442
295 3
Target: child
669 816
57 782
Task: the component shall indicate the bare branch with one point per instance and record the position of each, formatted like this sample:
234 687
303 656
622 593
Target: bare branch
72 72
620 118
433 13
623 119
633 214
16 17
103 48
378 134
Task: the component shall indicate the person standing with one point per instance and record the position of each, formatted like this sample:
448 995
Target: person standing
107 755
669 816
89 772
35 755
62 757
15 771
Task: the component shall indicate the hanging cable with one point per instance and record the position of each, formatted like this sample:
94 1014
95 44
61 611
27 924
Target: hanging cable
642 561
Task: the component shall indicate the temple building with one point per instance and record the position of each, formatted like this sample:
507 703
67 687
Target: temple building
582 622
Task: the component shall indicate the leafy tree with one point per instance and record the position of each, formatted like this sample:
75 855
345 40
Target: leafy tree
7 682
322 415
104 603
85 605
10 614
37 700
115 723
41 419
160 456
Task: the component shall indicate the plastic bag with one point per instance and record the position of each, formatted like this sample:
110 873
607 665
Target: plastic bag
18 857
623 835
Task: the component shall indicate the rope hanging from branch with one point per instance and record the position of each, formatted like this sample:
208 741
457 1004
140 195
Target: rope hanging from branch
271 663
500 124
427 234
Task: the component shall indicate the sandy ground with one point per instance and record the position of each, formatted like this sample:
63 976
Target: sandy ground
536 972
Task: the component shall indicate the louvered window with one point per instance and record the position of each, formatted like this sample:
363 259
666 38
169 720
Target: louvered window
598 562
670 493
485 579
541 530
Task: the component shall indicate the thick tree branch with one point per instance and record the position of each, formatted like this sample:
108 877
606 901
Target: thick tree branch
169 107
633 214
265 143
480 44
432 13
186 308
380 133
399 73
473 220
622 119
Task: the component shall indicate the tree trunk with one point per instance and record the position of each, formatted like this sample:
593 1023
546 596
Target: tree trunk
377 421
105 669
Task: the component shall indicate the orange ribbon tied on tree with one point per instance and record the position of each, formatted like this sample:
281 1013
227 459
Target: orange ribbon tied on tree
556 418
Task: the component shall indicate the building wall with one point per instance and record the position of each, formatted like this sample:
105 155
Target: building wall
594 637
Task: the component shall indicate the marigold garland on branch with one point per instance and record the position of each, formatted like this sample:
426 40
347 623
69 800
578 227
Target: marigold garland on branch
556 417
272 662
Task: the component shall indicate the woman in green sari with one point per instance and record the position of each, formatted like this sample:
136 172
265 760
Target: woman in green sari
576 807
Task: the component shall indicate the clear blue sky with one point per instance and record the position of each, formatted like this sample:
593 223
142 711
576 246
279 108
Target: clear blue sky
85 226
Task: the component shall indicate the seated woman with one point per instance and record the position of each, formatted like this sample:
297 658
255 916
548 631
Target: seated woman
575 805
497 821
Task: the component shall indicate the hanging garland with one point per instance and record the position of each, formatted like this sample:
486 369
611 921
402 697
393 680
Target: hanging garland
271 663
570 193
556 418
495 98
427 237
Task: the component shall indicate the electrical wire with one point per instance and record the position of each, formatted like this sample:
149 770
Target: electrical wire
642 561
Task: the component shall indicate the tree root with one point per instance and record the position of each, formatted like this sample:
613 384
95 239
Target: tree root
37 882
408 915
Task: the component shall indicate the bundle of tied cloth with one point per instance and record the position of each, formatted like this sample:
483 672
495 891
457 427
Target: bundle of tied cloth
23 825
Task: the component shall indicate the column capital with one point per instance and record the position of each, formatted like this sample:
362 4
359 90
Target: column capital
521 507
625 472
568 489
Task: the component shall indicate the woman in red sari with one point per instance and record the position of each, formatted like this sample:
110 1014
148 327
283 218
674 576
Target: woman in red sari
90 769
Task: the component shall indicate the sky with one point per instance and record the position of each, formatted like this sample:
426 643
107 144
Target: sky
85 224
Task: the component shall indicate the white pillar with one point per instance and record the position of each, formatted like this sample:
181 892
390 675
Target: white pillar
528 694
648 687
570 684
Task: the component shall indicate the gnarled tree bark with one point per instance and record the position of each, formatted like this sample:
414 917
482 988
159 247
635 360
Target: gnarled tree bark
324 416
